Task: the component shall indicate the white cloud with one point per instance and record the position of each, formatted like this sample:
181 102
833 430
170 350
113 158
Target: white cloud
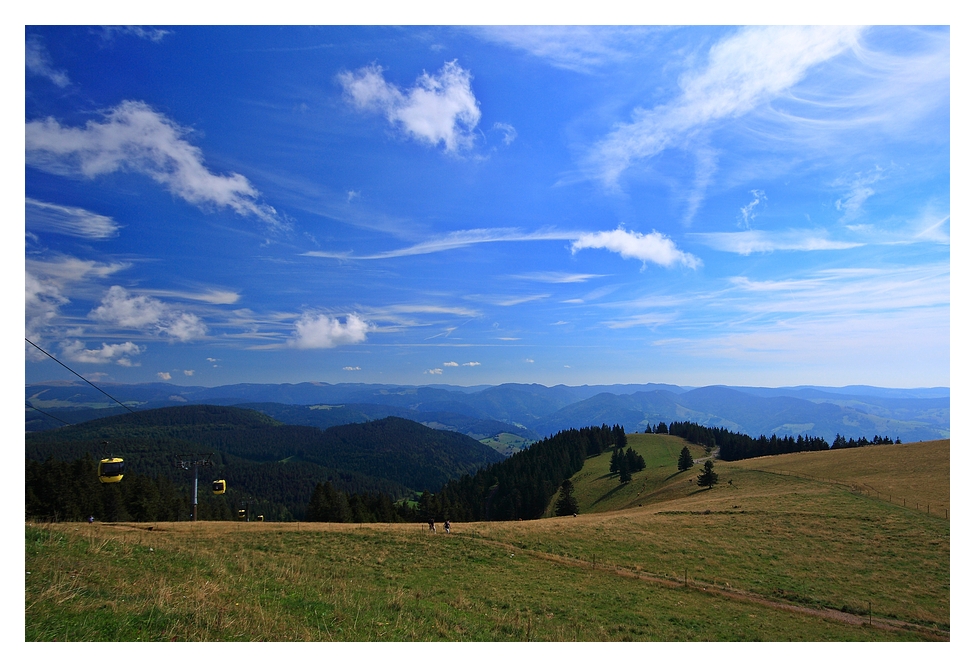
529 361
752 66
47 284
510 134
144 313
439 108
653 247
472 363
216 297
458 239
135 138
38 62
189 372
576 48
433 371
68 220
119 353
351 368
317 331
558 277
451 363
859 191
152 34
756 240
748 210
212 360
164 375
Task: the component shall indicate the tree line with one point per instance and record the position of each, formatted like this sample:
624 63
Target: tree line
738 446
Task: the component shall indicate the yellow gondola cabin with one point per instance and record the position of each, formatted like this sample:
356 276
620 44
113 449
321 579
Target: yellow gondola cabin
110 470
219 487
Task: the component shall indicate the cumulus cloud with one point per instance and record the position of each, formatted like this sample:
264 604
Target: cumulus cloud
119 308
451 363
653 247
46 287
68 220
120 353
134 137
433 371
755 240
189 372
472 363
438 109
749 68
317 331
164 375
38 62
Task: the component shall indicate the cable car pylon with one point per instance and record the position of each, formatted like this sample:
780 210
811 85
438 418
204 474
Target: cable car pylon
185 462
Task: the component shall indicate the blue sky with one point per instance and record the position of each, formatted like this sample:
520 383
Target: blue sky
755 206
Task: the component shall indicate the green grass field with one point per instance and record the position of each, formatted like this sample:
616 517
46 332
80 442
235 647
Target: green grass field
769 557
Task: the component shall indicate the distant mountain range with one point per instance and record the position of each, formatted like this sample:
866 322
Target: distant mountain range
508 416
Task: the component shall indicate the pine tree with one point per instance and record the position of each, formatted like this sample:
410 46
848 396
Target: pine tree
567 503
685 461
708 478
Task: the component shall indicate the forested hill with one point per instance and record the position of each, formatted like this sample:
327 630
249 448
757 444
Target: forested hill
259 455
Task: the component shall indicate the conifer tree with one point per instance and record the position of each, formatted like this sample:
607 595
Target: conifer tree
708 478
567 503
685 461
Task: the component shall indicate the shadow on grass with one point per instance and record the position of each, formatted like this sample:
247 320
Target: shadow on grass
609 494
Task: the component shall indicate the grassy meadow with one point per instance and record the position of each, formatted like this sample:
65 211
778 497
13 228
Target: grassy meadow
770 556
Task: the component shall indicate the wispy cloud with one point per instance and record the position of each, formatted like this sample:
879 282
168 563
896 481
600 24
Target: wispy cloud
557 277
748 210
756 240
156 35
433 371
858 191
744 70
472 363
216 297
450 364
509 132
134 137
453 241
653 247
38 62
351 368
69 220
438 109
315 331
576 48
122 309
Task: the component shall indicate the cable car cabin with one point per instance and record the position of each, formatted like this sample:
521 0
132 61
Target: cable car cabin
260 517
241 514
219 487
110 470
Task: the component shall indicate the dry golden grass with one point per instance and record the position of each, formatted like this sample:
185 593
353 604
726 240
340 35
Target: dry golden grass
913 475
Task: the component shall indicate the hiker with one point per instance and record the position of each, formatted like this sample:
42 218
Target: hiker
433 528
91 519
446 526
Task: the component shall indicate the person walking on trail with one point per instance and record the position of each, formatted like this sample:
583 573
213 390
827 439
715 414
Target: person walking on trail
433 527
446 526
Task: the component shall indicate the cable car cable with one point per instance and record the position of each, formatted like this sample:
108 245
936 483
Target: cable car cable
101 390
46 414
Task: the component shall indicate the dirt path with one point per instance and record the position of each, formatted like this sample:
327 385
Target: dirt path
730 593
